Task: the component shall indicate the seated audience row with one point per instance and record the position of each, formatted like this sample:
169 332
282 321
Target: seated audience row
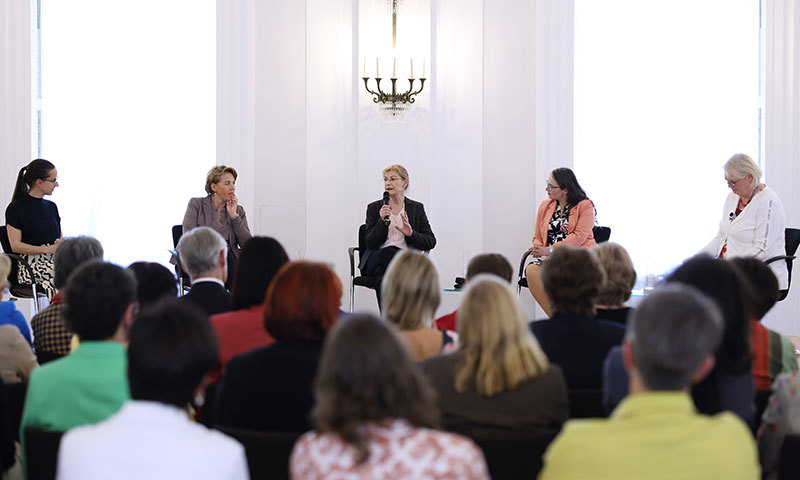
16 354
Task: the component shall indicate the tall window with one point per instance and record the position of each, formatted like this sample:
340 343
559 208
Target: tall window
665 92
128 116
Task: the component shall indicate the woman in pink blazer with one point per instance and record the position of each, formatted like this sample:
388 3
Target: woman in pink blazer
567 216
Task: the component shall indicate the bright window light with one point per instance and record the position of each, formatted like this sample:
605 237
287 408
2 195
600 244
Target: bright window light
128 116
665 92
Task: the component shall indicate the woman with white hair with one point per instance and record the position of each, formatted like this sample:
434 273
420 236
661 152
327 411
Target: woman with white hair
752 222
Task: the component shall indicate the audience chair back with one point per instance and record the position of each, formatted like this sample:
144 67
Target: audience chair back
517 457
586 403
16 289
267 452
600 233
41 452
15 393
792 237
184 283
359 280
789 466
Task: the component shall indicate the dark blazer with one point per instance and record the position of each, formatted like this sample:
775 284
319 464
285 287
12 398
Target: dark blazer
579 345
270 388
537 405
421 238
211 297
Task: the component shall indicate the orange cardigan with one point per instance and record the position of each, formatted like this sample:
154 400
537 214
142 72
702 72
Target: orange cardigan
579 231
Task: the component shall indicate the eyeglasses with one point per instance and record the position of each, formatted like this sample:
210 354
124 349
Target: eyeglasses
54 180
733 183
552 187
391 179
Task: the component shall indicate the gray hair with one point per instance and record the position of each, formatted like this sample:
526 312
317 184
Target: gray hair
199 250
672 332
71 253
742 165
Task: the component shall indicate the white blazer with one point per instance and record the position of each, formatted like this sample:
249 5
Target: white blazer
757 232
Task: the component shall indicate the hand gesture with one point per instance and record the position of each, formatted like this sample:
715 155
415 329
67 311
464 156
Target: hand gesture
405 229
540 251
386 210
231 205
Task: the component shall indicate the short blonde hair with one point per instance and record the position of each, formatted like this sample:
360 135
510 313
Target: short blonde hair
499 351
742 165
401 170
410 291
620 274
5 269
215 173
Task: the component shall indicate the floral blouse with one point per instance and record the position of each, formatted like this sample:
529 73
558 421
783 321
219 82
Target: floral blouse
557 229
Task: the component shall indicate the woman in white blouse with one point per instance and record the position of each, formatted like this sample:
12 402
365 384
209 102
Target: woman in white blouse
752 222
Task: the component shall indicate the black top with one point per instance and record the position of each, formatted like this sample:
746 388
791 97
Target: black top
579 345
37 218
422 237
210 297
270 388
616 315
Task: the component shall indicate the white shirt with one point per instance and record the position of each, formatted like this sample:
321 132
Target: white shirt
395 237
149 440
759 231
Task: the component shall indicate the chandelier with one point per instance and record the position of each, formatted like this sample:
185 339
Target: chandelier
393 103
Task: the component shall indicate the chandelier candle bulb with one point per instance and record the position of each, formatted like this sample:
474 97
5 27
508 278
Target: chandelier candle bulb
378 68
365 67
412 68
423 67
394 67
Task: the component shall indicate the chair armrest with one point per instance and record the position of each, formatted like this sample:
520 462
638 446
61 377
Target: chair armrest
351 253
24 263
779 257
525 255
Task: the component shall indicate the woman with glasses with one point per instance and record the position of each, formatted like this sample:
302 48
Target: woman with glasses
398 224
752 222
567 217
33 223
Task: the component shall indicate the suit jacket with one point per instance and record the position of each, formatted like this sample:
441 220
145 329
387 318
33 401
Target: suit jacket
201 213
421 238
579 345
270 388
579 230
210 297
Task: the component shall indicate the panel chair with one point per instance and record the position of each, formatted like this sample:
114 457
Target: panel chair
41 452
792 236
601 234
267 452
184 283
16 289
359 280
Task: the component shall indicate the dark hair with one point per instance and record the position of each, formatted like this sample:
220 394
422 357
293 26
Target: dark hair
302 302
72 253
673 331
572 278
97 295
38 169
566 180
172 346
726 285
154 280
260 260
763 282
367 375
493 263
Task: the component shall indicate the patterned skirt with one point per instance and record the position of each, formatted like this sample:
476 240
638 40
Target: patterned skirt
42 266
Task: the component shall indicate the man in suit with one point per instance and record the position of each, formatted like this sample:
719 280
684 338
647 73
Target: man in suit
656 430
203 254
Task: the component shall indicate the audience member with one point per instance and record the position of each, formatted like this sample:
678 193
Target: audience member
656 431
375 416
243 329
620 278
16 356
172 347
88 385
270 388
730 384
773 353
203 254
492 263
155 281
498 381
781 418
410 299
572 338
51 336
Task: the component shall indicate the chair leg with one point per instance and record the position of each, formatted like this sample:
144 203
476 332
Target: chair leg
35 298
352 294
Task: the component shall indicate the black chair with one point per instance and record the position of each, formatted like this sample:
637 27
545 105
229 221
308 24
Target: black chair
789 463
513 458
184 282
586 403
792 236
16 289
267 452
359 280
41 453
601 234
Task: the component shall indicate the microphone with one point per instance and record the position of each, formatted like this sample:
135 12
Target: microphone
386 202
731 217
